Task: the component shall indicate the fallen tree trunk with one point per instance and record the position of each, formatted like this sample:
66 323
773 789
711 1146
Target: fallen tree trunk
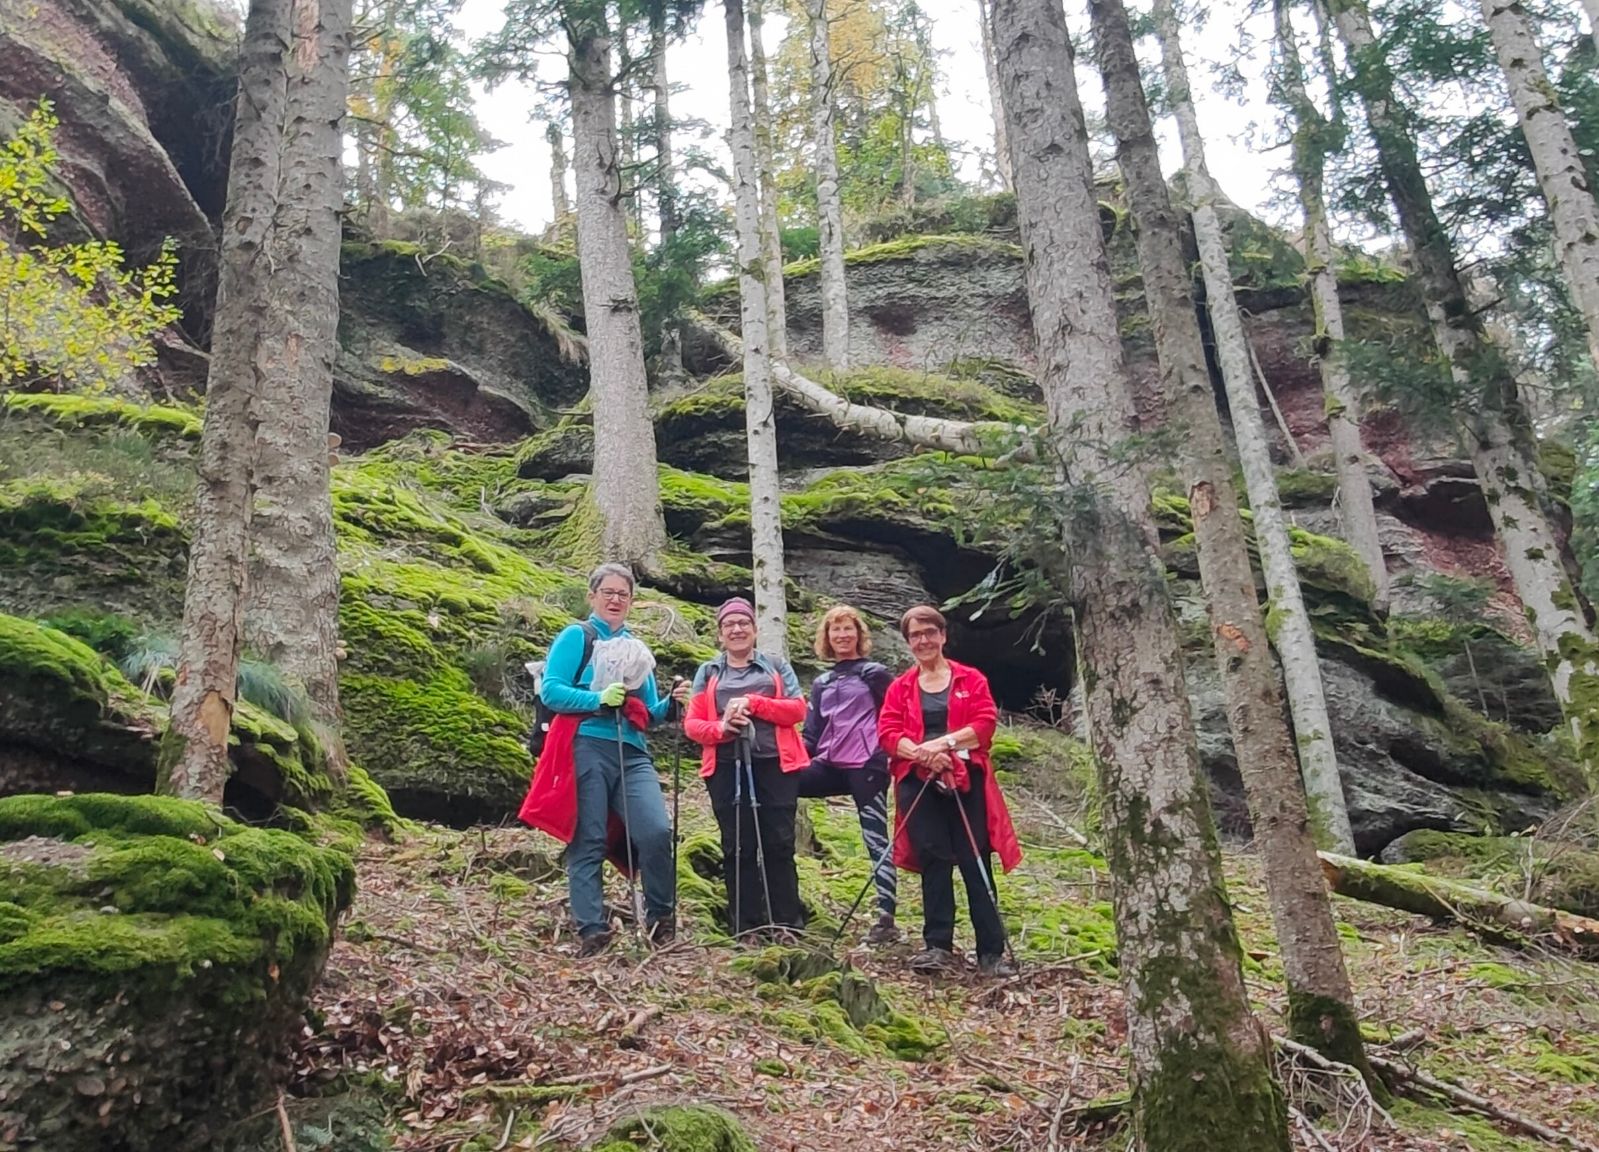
1009 442
1502 917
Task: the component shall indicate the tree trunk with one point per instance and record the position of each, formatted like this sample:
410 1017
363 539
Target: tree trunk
1492 419
625 485
1554 154
1201 1061
771 234
670 366
559 204
1296 643
251 352
627 141
292 615
829 206
1591 7
1314 137
1321 1002
1001 142
766 520
1502 918
1001 443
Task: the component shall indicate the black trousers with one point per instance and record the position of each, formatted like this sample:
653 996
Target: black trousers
755 806
942 842
868 786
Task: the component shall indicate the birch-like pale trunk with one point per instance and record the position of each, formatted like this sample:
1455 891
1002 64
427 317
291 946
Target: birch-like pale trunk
1561 174
771 233
558 198
1342 401
829 205
1492 420
292 612
670 364
1001 140
1201 1061
1321 1002
1293 637
1591 7
625 485
264 338
760 421
1002 443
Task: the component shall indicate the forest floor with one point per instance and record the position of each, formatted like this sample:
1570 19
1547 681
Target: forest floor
455 1014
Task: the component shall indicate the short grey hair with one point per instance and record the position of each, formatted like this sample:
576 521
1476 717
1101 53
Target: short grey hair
611 569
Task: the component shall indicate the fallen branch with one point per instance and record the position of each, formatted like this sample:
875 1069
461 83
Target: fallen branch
1395 1072
1060 1108
1503 918
630 1031
644 1074
1309 1130
961 437
284 1127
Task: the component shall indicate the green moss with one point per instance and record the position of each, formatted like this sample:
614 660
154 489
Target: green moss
71 410
165 889
1477 1134
1302 488
1333 1029
1560 875
678 1128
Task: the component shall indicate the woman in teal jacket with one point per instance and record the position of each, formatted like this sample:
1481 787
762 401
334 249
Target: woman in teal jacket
605 772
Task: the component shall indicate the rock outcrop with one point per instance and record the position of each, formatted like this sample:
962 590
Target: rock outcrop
431 341
156 959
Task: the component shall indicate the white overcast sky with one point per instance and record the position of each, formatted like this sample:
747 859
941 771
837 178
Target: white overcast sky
699 65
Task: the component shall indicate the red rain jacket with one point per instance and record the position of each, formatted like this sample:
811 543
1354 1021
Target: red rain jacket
971 705
551 803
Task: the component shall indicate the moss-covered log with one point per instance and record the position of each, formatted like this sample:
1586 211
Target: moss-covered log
680 1128
1499 917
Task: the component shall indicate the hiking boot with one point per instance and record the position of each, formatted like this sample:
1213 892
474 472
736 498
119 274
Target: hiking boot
594 943
930 960
997 967
885 931
661 933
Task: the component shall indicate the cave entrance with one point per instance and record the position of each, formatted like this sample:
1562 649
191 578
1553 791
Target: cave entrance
1031 664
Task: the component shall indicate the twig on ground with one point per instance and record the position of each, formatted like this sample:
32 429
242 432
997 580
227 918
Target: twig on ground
644 1074
1309 1130
1415 1076
285 1127
505 1137
1060 1107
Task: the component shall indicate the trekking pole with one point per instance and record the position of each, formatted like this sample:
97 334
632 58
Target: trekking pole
736 915
882 859
988 879
633 900
674 715
755 819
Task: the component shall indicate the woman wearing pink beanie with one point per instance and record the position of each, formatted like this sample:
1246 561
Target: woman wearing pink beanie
744 712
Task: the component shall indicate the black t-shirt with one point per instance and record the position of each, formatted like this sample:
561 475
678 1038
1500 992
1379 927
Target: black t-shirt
935 713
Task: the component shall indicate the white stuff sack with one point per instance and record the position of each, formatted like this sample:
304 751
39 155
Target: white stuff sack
624 659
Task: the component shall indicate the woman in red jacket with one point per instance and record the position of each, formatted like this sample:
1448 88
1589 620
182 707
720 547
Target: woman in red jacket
745 711
937 724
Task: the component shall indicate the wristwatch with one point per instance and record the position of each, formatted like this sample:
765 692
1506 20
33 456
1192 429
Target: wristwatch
951 743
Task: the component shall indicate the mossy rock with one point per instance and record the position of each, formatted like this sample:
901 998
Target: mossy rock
678 1128
1549 872
69 720
156 959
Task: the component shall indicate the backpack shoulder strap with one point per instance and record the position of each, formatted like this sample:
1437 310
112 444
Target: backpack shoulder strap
590 635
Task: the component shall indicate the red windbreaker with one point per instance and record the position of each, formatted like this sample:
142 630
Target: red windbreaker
971 705
551 802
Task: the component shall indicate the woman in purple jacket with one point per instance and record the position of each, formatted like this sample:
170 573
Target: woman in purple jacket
846 756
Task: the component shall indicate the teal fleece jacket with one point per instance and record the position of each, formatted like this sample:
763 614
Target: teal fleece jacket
561 693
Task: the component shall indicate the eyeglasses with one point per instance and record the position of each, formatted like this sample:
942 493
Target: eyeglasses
924 634
619 594
737 623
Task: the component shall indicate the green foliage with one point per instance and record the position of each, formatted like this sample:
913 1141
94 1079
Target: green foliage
71 315
678 1128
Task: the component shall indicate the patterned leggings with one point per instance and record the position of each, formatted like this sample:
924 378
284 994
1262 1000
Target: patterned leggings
868 786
